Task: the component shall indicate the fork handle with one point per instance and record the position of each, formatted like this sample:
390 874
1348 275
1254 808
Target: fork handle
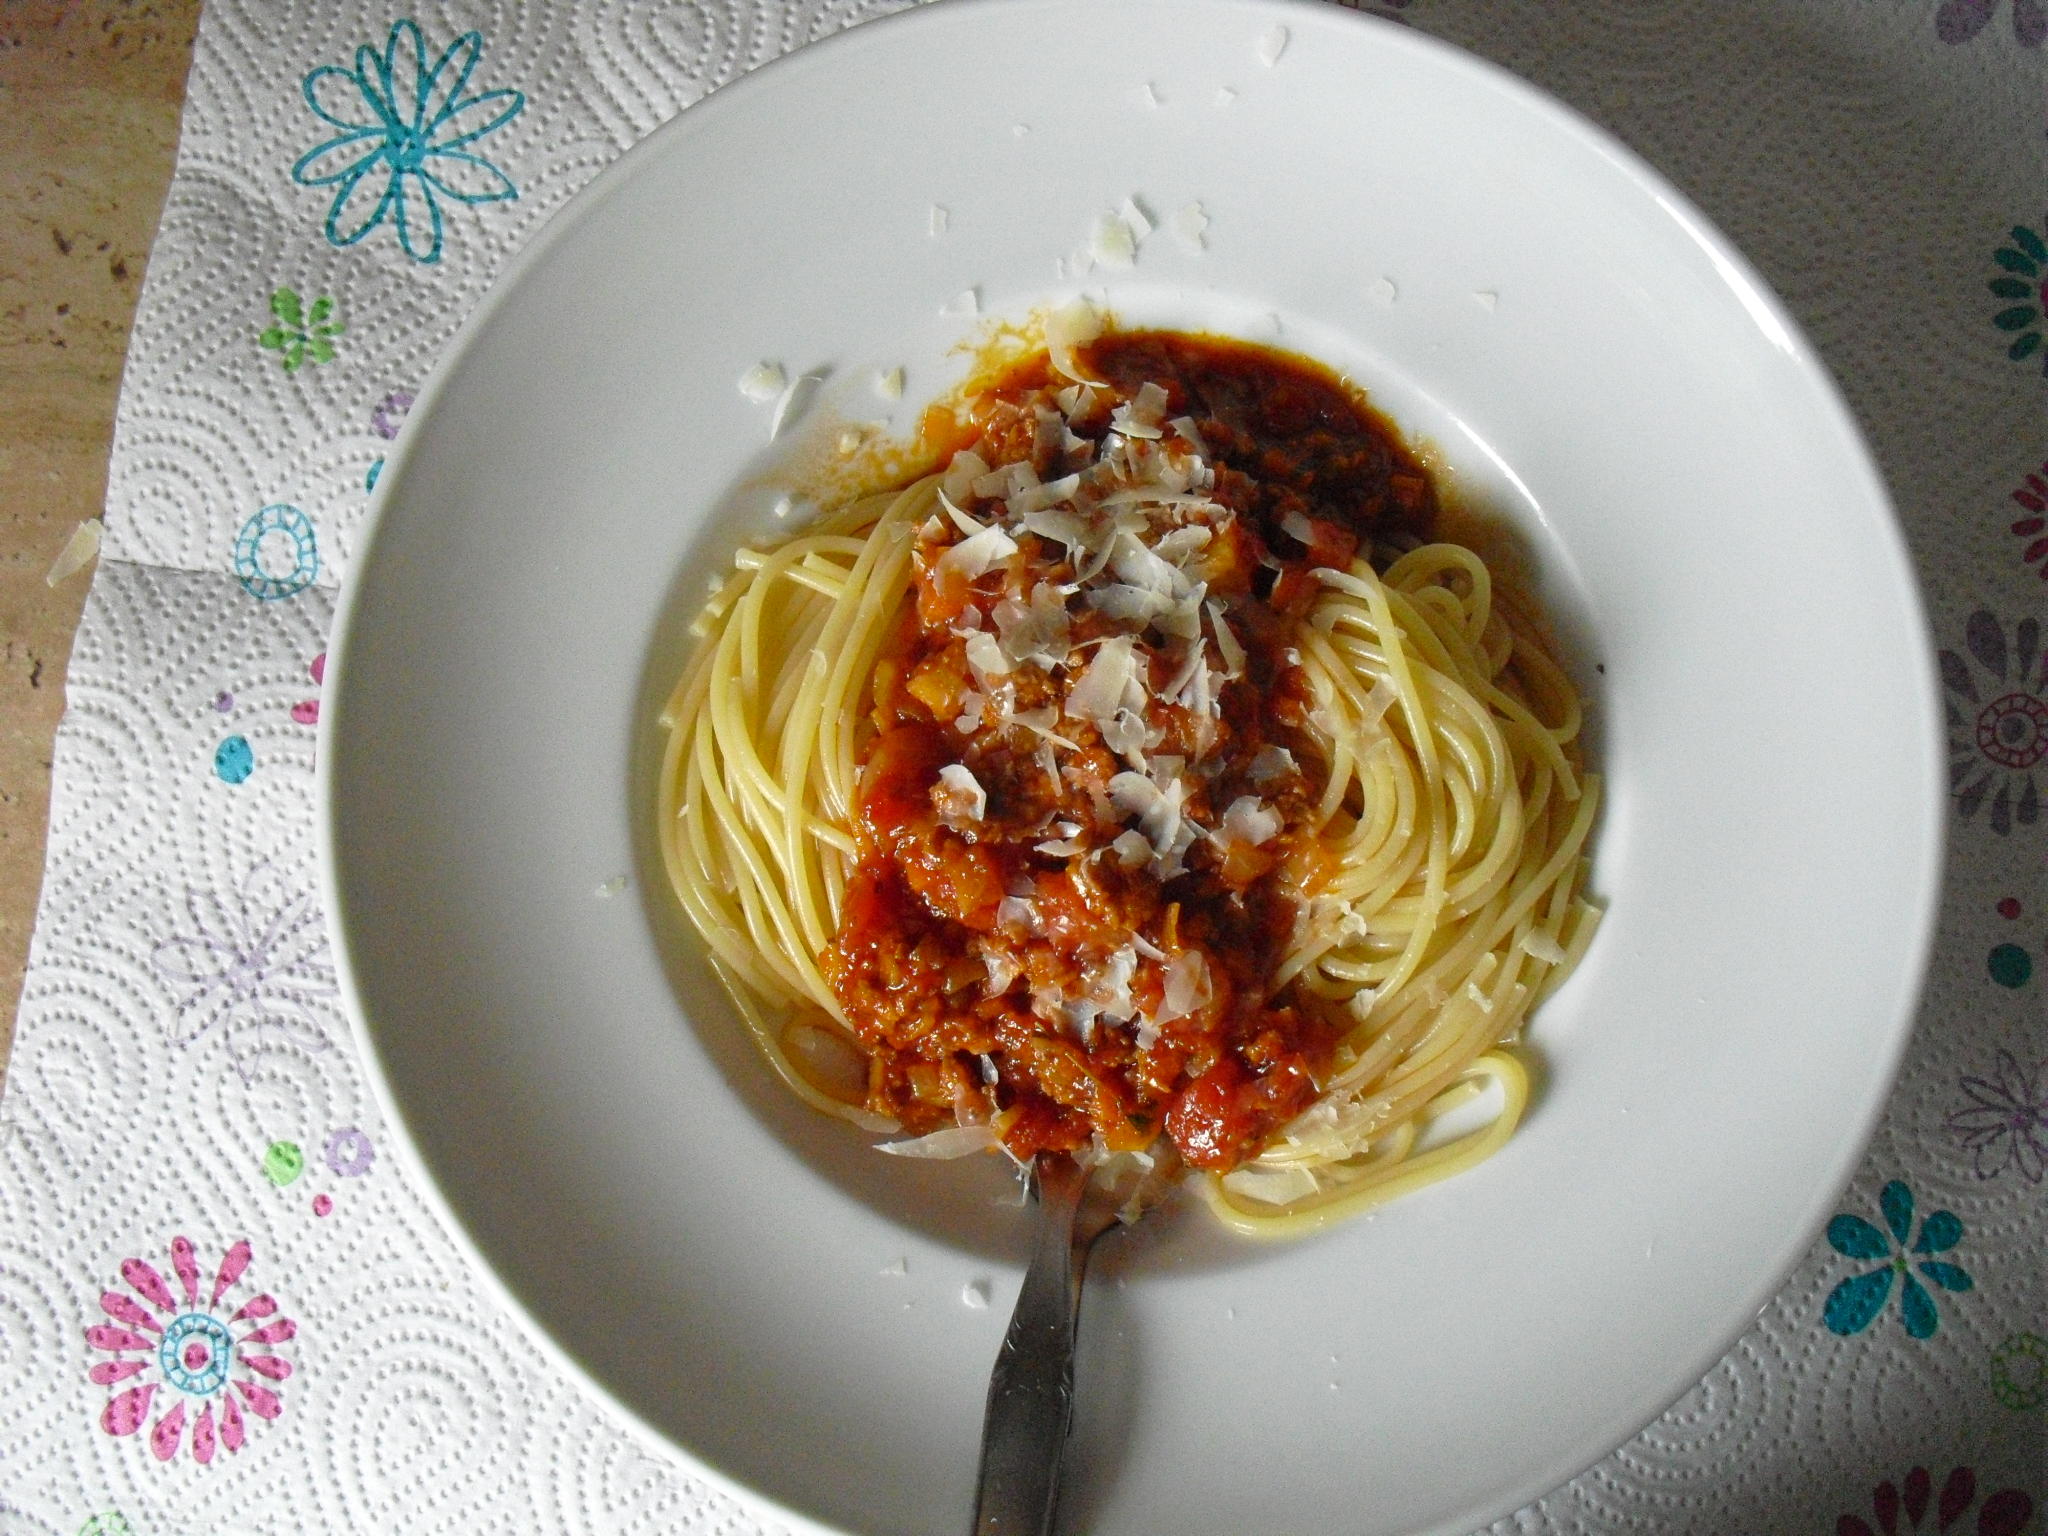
1031 1390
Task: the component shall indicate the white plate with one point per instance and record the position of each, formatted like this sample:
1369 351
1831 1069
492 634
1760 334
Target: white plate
1591 361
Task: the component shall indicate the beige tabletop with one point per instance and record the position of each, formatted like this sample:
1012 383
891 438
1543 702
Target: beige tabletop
89 102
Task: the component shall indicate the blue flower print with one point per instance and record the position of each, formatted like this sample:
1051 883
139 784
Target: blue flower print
405 130
1855 1304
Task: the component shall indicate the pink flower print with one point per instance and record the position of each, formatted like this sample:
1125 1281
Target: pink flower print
307 711
1997 714
168 1341
2005 1513
2033 496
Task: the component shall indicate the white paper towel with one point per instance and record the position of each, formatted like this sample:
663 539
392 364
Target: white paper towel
186 1131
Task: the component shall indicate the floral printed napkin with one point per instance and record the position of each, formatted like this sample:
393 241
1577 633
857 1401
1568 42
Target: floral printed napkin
223 1309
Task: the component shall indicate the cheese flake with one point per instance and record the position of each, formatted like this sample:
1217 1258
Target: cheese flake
975 555
1112 242
763 382
958 796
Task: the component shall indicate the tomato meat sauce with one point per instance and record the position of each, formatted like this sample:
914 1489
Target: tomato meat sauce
1087 813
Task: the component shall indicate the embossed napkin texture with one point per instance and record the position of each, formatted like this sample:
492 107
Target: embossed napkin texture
222 1306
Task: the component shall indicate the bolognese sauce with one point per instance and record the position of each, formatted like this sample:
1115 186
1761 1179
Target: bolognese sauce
1085 816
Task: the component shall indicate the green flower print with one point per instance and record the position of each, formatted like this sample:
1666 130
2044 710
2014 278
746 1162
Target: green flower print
301 334
2019 1372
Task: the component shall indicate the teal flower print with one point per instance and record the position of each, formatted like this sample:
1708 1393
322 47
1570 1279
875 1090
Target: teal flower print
406 127
2022 264
1855 1304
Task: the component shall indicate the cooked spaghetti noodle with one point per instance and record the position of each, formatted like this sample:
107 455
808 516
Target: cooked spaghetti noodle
1143 784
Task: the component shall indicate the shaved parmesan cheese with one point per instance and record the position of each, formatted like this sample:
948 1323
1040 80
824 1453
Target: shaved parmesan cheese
1190 226
1110 683
1271 763
1133 794
1010 480
953 1141
1150 94
1543 946
1250 820
1187 988
1067 844
1486 299
763 382
966 468
938 219
975 555
1127 735
958 796
1040 723
1185 426
1112 242
1036 498
1035 631
1271 1186
1131 849
1110 988
985 659
1272 45
1226 642
1080 1015
1016 916
1135 219
1128 604
966 524
76 554
889 385
1141 417
1003 970
796 395
1385 291
1159 814
1141 566
1225 95
1070 326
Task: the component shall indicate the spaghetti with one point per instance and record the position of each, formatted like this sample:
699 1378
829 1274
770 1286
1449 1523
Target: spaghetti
1142 785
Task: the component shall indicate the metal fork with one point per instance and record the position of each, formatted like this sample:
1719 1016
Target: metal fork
1031 1389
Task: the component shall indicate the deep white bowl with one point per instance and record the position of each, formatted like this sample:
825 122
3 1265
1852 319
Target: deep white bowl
1593 365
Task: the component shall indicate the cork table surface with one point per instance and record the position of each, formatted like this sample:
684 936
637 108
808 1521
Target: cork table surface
89 103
